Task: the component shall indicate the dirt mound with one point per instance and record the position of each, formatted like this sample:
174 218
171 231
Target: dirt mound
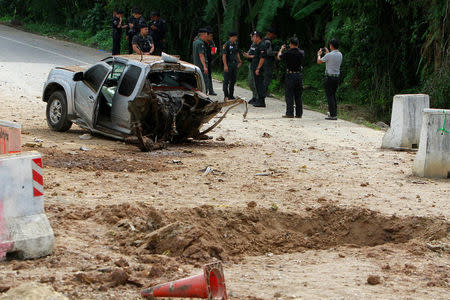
202 233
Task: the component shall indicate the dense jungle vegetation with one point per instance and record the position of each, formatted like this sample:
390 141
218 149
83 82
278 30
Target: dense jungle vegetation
389 46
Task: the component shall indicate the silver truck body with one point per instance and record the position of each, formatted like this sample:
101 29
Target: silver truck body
97 96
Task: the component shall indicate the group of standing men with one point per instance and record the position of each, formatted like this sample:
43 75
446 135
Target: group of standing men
142 38
261 57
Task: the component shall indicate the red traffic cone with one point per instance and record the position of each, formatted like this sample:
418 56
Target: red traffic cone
209 285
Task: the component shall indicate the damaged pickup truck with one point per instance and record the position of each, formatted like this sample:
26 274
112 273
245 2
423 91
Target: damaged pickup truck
157 99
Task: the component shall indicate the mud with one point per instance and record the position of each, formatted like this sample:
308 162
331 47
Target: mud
200 234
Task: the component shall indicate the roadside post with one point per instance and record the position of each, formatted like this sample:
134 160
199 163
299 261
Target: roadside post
25 231
10 137
433 158
406 122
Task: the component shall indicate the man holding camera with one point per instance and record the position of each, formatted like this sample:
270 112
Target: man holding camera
293 81
333 62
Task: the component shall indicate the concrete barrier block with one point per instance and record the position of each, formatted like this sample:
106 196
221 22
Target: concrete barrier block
433 157
406 122
24 228
10 137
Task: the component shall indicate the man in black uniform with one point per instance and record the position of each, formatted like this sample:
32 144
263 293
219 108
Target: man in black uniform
251 77
269 62
257 68
231 62
209 52
134 23
157 29
142 42
117 31
293 81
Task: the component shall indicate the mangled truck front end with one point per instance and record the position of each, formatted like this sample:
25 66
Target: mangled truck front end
155 100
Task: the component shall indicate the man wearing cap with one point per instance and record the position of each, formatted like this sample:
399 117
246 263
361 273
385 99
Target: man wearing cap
157 29
269 62
117 30
251 76
231 62
293 80
143 42
134 23
258 70
199 56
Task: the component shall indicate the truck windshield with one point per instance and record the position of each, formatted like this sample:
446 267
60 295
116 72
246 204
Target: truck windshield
172 79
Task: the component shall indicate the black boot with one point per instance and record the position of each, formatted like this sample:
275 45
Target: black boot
253 100
260 103
231 94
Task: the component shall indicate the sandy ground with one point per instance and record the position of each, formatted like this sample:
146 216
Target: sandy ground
334 208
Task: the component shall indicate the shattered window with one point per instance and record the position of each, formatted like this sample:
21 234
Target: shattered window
129 81
173 79
94 76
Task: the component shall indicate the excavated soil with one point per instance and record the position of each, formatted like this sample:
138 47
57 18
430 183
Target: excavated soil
197 235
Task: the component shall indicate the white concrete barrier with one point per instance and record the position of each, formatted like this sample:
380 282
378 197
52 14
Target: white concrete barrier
433 157
10 137
406 122
24 228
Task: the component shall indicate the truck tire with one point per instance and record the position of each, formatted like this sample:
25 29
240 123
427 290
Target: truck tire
57 118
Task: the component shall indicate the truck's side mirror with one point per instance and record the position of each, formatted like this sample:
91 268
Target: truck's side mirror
78 76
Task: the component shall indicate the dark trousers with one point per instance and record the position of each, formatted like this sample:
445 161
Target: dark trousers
210 88
159 47
293 93
229 80
331 85
259 83
130 44
116 44
268 71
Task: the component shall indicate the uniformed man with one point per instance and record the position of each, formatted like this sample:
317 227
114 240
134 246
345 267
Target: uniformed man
199 56
293 81
210 51
142 42
157 29
134 23
258 70
117 31
333 61
269 62
231 62
251 76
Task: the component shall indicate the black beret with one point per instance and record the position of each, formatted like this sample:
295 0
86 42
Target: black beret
232 33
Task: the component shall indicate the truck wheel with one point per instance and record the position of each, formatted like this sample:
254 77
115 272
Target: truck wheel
57 112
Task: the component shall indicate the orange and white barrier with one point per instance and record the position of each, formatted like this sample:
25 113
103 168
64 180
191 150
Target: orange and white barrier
10 137
24 228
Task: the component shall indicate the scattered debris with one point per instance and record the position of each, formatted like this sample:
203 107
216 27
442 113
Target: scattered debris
207 171
251 204
85 136
263 174
266 135
364 184
36 140
373 280
32 290
83 148
220 139
32 145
